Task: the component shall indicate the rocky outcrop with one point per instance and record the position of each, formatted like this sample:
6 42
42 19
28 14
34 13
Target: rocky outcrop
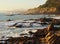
50 7
45 10
41 36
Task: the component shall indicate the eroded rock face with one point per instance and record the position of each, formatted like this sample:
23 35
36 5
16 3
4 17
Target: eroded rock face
50 7
45 10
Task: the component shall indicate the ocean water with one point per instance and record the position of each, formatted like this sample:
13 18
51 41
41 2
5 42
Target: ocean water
19 17
14 32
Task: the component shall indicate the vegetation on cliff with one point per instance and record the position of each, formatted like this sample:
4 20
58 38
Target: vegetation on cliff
51 6
51 3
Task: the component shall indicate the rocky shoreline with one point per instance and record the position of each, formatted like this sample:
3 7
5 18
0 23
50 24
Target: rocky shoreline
35 22
48 35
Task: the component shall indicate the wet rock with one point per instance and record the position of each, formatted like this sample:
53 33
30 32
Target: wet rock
9 20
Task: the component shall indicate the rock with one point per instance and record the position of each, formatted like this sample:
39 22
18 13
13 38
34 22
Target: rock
36 25
9 20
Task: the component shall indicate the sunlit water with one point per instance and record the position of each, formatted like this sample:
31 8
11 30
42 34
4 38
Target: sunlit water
7 31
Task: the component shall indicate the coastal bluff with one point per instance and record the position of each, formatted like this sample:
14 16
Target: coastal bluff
50 7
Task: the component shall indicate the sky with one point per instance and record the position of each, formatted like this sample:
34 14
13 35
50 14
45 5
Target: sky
19 4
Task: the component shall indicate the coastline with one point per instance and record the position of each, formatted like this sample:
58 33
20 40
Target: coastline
44 35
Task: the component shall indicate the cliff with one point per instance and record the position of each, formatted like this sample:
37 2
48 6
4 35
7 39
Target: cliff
50 7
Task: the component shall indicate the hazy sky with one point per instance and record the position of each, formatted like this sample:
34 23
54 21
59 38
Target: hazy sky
19 4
